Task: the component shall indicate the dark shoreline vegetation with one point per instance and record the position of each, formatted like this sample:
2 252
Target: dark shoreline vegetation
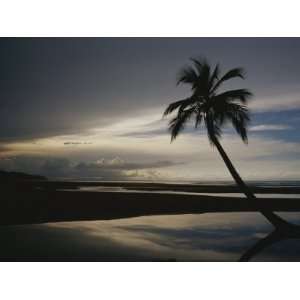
18 176
42 201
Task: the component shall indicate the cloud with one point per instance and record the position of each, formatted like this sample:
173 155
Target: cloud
55 167
4 148
147 152
115 168
143 133
276 103
56 87
147 126
262 158
267 127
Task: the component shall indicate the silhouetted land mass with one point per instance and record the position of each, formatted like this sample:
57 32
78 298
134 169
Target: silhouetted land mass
18 176
26 202
152 186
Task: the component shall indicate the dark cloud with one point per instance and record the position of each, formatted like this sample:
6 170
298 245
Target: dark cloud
77 143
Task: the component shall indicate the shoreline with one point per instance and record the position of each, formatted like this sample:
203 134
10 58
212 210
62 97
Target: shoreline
36 202
149 186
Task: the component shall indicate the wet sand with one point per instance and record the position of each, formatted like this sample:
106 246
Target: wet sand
46 201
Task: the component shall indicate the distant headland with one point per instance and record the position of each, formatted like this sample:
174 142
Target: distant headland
17 176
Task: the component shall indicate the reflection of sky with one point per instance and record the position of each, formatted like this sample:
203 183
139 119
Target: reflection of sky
124 190
205 237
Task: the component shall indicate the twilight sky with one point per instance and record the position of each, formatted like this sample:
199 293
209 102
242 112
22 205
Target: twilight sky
93 108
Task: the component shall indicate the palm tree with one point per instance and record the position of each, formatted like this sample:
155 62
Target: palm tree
214 109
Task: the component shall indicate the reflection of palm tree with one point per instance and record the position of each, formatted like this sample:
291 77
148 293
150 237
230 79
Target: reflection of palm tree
279 234
214 109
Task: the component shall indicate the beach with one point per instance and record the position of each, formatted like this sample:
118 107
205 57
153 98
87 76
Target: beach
29 202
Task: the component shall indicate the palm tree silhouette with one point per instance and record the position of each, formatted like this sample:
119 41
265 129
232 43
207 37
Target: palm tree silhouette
214 110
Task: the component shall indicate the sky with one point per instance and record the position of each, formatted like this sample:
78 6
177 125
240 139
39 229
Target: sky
92 108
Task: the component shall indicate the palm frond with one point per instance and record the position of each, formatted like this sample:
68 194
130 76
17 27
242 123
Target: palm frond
203 69
199 63
206 106
236 72
213 128
198 119
224 109
239 117
233 73
200 110
214 76
242 95
187 75
177 124
240 127
181 104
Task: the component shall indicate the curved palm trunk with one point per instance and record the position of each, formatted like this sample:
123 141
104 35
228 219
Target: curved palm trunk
271 217
270 239
274 237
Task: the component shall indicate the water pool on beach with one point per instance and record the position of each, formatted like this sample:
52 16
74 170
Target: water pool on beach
153 190
120 189
194 237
